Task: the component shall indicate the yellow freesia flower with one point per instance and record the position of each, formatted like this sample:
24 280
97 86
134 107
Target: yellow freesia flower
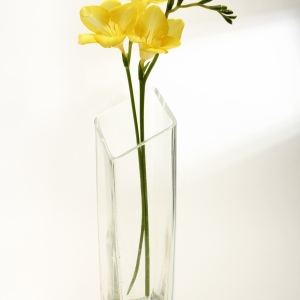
110 22
143 4
155 33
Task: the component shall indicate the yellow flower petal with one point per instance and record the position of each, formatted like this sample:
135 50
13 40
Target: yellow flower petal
156 1
109 5
145 55
94 18
152 23
155 50
125 16
154 33
175 28
86 39
169 42
109 41
141 5
146 52
136 39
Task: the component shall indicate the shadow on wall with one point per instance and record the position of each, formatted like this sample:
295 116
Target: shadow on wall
256 147
243 227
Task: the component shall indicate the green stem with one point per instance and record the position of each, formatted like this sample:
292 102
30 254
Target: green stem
144 189
129 52
221 9
137 264
150 67
183 6
126 63
142 110
144 228
136 128
143 182
140 138
143 76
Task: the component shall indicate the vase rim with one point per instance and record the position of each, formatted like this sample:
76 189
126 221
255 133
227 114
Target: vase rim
166 109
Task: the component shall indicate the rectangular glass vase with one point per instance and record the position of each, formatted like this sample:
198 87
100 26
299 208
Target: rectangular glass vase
136 227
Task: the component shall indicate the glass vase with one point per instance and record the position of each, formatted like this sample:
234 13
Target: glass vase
136 191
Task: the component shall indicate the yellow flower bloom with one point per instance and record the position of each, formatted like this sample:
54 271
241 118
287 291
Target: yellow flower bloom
155 33
143 4
110 22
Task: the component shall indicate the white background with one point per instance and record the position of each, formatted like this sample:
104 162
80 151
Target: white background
235 93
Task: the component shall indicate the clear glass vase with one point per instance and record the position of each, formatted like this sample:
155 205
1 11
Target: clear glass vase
136 188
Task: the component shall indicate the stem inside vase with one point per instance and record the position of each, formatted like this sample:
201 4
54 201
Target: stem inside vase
140 138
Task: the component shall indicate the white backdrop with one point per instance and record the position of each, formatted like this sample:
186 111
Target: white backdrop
235 93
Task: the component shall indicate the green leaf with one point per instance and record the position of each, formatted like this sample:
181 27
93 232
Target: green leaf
179 2
146 66
227 19
218 7
125 60
170 4
227 12
141 73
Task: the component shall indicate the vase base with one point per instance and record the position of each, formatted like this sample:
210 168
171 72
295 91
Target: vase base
152 297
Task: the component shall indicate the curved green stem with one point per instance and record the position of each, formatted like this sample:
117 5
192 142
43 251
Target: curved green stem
144 189
143 182
144 224
143 76
182 6
140 138
136 128
137 264
126 62
129 52
221 9
150 67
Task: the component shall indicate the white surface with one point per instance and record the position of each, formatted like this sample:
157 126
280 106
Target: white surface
234 91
